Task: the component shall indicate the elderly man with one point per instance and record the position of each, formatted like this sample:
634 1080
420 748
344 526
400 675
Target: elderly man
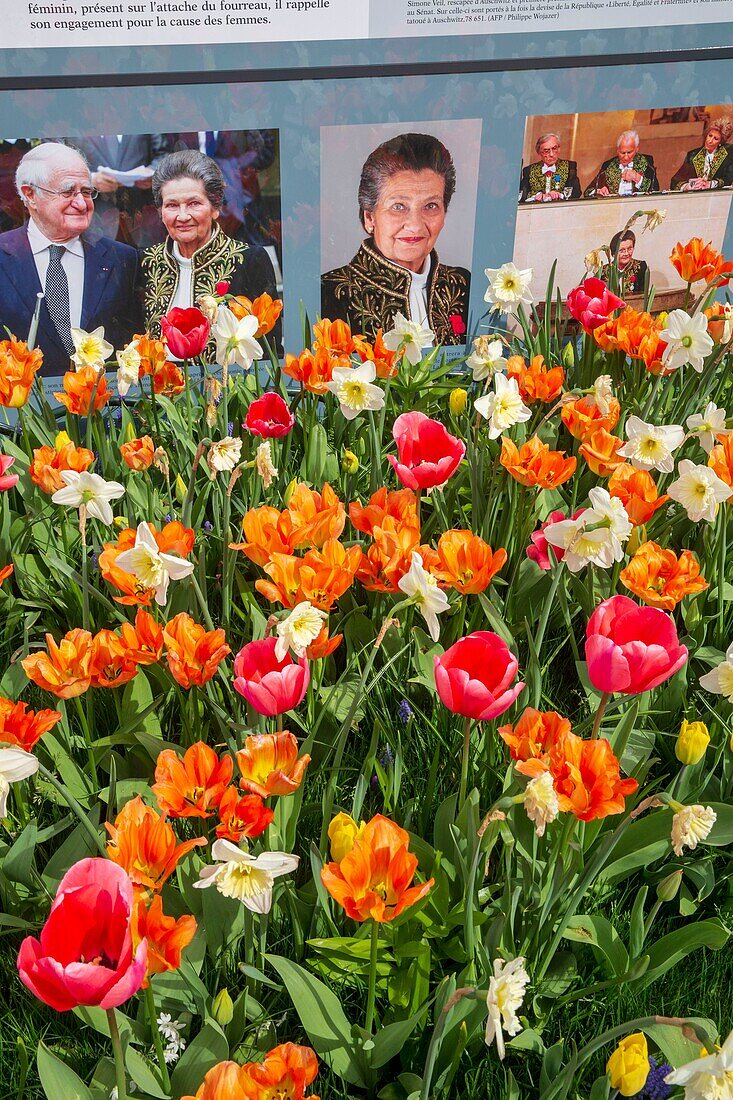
86 283
628 173
550 178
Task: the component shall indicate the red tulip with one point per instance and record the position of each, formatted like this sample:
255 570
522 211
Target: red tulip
592 303
269 416
85 954
222 288
7 481
631 649
428 454
271 686
473 676
186 332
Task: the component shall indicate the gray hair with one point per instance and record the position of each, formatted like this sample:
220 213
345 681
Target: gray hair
628 135
543 138
190 164
38 164
404 153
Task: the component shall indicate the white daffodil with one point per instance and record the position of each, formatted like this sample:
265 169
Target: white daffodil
540 802
422 588
354 390
224 454
709 1078
699 490
504 407
508 287
264 464
651 446
688 340
299 629
708 425
584 544
602 393
506 994
90 348
410 336
128 368
654 218
607 511
15 764
720 679
247 878
235 339
486 358
90 490
151 566
690 825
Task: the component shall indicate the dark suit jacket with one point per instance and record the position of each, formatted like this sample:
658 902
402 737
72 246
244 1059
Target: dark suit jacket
533 179
694 163
109 298
610 171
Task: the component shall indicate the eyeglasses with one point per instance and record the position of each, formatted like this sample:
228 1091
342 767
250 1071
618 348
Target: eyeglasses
70 193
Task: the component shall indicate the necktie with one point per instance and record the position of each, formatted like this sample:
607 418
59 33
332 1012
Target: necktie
57 295
210 143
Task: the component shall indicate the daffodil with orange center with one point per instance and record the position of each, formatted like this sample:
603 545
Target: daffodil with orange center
587 779
112 664
18 366
400 504
535 735
534 464
697 261
467 563
173 538
22 727
65 669
315 516
600 451
48 462
537 382
242 816
144 640
269 764
194 785
266 309
194 653
334 336
167 937
284 1074
660 579
637 491
138 454
583 417
144 844
80 387
314 372
720 460
373 879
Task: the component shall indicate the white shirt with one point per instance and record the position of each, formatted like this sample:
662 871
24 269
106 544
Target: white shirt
626 187
419 293
72 262
548 171
202 140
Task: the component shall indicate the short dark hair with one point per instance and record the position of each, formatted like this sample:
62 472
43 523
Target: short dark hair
405 153
190 164
617 239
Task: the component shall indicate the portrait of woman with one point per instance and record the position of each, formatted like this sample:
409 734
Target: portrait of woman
632 273
188 189
711 164
404 194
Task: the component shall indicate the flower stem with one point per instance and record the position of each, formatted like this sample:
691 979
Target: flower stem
157 1038
75 808
599 714
119 1057
464 761
371 994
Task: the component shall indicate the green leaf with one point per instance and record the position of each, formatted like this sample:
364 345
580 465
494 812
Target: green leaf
673 947
600 934
323 1018
209 1047
672 1042
643 842
142 1074
58 1079
390 1039
18 863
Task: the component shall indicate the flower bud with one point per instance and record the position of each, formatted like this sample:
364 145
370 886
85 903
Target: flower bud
457 401
349 462
342 832
120 522
61 440
628 1066
209 306
568 354
181 488
668 887
692 741
130 433
289 491
223 1008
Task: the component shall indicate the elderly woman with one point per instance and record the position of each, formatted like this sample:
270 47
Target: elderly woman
188 189
406 187
711 164
631 273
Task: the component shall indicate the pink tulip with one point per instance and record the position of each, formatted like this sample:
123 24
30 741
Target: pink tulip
428 454
592 303
7 481
85 954
473 676
630 649
271 686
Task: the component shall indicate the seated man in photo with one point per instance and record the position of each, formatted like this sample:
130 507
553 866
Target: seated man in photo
550 178
628 173
86 283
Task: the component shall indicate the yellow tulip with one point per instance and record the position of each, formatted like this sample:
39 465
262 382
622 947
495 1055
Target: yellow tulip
458 401
628 1066
349 462
61 440
692 741
342 832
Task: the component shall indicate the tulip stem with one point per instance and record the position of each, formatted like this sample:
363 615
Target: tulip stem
599 714
75 808
114 1032
464 761
371 993
157 1038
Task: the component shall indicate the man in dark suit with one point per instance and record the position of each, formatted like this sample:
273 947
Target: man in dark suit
86 282
628 173
550 178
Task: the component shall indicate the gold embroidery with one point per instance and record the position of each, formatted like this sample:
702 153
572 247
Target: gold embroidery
613 173
698 162
537 177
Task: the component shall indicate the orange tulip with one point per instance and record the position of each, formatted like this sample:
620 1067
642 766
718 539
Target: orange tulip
194 653
695 261
266 309
660 578
315 516
373 879
269 764
167 937
583 417
334 337
266 532
467 563
314 372
599 450
284 1074
587 779
537 382
535 464
377 353
138 453
720 460
144 640
18 368
173 538
400 504
242 816
390 556
637 491
720 316
112 664
323 646
66 669
193 786
636 334
327 573
284 583
535 735
22 727
144 844
48 462
169 380
152 354
222 1082
5 572
79 387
